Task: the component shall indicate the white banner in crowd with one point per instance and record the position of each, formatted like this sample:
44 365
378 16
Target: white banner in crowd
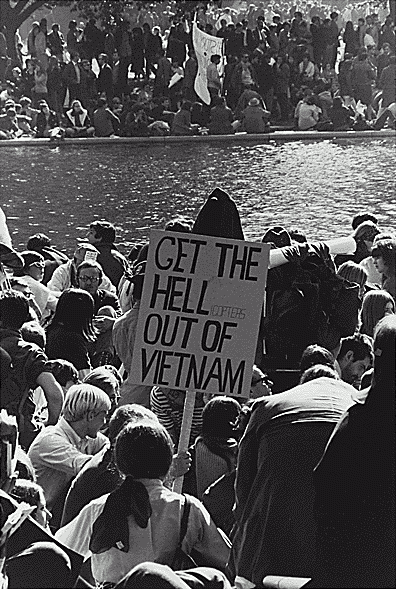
204 46
200 313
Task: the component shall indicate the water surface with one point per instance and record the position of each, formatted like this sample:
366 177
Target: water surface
316 187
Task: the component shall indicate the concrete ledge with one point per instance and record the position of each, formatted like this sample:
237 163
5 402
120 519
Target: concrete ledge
234 139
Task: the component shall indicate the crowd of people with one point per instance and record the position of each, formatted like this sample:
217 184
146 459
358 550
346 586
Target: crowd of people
310 66
295 478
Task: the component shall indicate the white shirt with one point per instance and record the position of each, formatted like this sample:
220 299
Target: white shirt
45 299
156 543
58 454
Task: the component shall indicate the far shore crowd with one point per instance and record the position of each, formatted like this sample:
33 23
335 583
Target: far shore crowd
303 67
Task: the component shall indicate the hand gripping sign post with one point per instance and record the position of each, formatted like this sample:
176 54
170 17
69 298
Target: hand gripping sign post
199 316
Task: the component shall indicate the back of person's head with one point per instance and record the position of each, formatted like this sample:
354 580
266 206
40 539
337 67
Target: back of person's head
385 354
29 258
104 230
362 217
385 249
63 371
42 565
105 380
180 224
14 309
315 354
353 272
297 235
358 343
102 102
376 304
37 242
317 371
219 417
186 105
32 332
366 231
144 450
82 399
75 311
131 413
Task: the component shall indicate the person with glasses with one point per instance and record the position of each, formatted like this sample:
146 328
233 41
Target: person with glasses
66 275
260 384
33 273
106 309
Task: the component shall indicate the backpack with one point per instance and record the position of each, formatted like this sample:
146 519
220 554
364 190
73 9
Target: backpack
307 303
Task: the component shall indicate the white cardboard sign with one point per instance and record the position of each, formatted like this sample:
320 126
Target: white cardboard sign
200 313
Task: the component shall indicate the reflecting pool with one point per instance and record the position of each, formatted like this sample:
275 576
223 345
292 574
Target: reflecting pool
316 187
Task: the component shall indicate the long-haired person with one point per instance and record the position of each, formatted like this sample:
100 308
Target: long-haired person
376 304
72 330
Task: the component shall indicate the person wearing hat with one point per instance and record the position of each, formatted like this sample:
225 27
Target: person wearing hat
254 118
247 94
9 128
66 275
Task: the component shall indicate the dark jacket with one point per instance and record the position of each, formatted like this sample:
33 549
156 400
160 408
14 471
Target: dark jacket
114 264
105 81
41 123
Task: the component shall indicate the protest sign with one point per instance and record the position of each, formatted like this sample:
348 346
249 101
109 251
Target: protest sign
204 46
200 313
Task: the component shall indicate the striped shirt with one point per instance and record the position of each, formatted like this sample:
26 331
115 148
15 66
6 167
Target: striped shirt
171 415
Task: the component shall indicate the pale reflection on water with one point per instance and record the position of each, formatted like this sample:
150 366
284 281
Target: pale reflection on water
315 187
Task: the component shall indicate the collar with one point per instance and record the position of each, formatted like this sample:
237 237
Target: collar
66 428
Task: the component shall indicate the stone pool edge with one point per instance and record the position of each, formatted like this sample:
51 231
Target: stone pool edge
237 138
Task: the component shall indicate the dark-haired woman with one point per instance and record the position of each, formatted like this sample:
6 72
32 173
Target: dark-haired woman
72 329
140 521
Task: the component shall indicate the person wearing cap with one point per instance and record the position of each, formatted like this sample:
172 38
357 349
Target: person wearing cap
254 118
66 275
244 98
28 110
9 128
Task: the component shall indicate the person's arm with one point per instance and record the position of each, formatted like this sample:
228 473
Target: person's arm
205 537
53 393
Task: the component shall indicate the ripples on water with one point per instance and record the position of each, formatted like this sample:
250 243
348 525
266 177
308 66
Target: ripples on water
315 187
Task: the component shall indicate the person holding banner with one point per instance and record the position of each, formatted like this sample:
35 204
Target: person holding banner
213 78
